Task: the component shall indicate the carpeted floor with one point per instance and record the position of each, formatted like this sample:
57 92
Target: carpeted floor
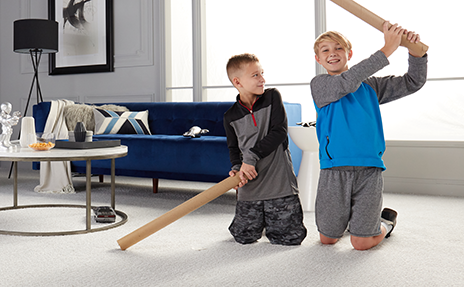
426 248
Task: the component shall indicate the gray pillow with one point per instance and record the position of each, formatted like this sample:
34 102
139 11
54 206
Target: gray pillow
84 113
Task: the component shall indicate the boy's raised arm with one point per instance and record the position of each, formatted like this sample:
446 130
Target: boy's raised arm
326 89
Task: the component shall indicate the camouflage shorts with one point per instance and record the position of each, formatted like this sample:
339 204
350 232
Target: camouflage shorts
282 218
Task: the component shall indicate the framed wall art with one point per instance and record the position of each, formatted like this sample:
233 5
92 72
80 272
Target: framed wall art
85 36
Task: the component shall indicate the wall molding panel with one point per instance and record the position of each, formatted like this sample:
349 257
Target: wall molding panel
116 98
424 167
424 186
135 20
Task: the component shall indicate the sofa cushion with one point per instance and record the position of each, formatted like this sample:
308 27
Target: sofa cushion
172 153
109 122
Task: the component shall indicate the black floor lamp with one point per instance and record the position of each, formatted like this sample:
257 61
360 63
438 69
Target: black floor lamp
35 37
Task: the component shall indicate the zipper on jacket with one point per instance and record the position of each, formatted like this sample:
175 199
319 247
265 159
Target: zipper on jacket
251 112
326 147
253 116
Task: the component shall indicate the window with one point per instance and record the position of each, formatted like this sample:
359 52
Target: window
435 112
280 33
201 35
179 73
434 22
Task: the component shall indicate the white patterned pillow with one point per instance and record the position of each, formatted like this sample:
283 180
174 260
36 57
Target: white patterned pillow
109 122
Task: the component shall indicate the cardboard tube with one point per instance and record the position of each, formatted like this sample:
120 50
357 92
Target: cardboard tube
178 212
377 22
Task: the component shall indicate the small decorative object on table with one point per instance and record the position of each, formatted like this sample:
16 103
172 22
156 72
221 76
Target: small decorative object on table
43 142
27 135
88 136
7 122
80 132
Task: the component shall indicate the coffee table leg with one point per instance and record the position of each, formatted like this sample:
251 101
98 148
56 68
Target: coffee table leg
113 172
88 170
15 184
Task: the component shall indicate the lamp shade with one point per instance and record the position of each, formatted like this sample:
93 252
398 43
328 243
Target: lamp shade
35 34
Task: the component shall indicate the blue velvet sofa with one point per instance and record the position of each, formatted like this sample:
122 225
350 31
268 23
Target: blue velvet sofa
166 153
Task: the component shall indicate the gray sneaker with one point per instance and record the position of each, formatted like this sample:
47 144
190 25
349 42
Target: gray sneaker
389 217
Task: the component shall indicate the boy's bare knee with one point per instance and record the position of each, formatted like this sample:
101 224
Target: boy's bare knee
327 240
361 243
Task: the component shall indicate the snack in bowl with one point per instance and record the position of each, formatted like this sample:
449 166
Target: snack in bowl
42 146
43 142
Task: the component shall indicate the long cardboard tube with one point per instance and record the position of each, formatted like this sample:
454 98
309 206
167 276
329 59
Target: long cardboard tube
178 212
377 22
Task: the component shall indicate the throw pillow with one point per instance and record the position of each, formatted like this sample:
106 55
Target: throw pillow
110 122
84 113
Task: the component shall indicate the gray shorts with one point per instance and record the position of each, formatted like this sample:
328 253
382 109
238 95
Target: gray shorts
282 218
349 195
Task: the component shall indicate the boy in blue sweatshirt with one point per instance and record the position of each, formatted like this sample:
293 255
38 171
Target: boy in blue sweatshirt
350 133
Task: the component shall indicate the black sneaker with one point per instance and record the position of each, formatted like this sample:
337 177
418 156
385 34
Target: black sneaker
389 217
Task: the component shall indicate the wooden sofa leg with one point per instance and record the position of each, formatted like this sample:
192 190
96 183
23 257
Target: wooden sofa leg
155 185
100 177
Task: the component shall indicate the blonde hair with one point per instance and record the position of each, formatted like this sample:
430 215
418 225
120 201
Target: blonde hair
333 37
236 62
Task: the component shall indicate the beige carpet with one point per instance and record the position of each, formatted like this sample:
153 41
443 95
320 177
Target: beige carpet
426 248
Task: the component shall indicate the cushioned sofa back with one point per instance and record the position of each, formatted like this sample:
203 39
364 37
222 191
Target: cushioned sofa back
176 118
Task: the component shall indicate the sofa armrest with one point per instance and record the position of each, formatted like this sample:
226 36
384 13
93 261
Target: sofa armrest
40 113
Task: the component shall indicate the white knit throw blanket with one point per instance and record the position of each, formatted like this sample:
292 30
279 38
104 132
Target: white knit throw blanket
55 176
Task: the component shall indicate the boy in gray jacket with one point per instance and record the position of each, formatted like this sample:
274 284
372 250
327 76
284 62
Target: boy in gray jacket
256 129
350 134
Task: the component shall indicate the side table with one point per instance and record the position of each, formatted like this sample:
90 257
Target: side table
57 154
308 175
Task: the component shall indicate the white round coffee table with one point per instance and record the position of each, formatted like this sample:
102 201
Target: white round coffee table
59 154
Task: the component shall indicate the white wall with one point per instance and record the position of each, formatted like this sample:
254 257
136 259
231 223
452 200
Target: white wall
137 58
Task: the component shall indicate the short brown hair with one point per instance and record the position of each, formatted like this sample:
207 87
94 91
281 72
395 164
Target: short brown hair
235 63
333 37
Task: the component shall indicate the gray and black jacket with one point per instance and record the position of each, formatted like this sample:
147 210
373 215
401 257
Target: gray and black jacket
259 137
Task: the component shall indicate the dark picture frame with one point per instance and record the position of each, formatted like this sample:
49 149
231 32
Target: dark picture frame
85 36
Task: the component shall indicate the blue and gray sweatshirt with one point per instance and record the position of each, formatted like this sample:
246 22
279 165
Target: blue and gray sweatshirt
258 137
349 124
